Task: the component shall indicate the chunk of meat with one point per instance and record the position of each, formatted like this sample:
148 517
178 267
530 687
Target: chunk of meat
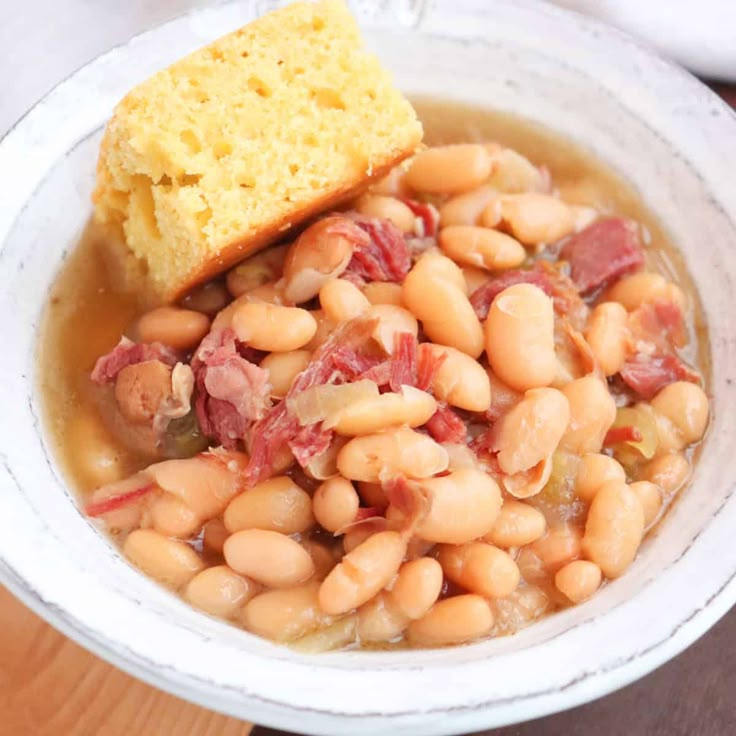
232 392
352 363
428 218
656 329
603 252
628 433
118 501
384 257
400 368
550 280
658 325
403 361
409 499
310 442
648 374
127 353
280 427
446 426
428 363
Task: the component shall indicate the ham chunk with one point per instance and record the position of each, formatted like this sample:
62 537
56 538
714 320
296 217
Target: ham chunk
385 256
126 353
602 253
648 374
232 392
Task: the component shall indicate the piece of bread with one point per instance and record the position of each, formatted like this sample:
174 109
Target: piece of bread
225 150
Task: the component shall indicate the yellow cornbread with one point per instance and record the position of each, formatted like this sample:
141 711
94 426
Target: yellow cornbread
222 152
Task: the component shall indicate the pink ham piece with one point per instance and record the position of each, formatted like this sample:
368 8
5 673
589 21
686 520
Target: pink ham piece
566 299
656 328
648 375
428 363
385 256
410 365
446 426
428 218
232 392
279 427
602 253
126 353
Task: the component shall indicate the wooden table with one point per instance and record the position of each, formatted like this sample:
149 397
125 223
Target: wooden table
50 686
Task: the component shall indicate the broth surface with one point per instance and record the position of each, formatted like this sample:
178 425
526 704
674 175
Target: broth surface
87 313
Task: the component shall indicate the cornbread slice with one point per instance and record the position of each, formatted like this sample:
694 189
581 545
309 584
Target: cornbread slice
225 150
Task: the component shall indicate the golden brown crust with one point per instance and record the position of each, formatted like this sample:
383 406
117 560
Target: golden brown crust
237 251
239 143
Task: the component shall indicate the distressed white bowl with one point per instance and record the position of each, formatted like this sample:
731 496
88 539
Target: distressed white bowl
673 139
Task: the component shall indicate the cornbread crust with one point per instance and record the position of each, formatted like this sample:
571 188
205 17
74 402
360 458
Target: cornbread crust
227 149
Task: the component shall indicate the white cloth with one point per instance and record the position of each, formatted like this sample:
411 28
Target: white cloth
699 34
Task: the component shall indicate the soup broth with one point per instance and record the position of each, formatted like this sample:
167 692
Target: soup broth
87 314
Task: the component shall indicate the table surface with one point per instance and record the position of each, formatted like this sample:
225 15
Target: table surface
49 685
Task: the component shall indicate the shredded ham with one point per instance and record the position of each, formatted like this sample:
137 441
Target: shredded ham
403 361
126 353
550 280
647 375
309 442
428 363
446 426
384 257
656 329
113 503
622 434
409 498
602 253
428 218
281 427
232 392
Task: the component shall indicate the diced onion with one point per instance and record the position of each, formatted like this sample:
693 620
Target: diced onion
319 402
335 636
644 421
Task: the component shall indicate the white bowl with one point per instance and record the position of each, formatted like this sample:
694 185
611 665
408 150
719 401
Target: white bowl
669 135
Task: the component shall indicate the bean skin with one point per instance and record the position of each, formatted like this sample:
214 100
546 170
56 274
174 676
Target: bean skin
285 615
686 406
271 327
480 568
268 557
578 580
595 470
517 524
362 573
335 503
519 337
480 246
180 329
531 430
219 591
399 451
452 621
614 529
464 505
669 471
592 412
277 504
449 169
169 561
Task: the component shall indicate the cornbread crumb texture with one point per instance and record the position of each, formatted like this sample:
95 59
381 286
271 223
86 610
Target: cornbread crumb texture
219 153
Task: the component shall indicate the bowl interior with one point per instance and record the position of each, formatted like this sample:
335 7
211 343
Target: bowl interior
667 135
